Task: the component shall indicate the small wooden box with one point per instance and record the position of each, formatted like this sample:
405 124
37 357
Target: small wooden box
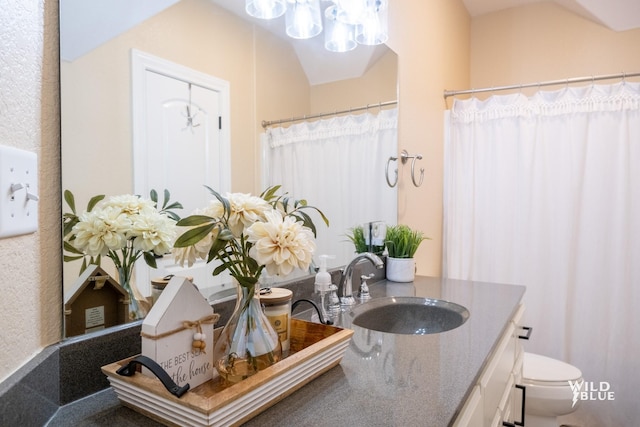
96 302
315 348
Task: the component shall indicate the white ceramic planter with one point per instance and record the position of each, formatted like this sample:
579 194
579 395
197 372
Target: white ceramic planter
401 269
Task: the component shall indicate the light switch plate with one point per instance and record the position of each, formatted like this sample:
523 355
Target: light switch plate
18 192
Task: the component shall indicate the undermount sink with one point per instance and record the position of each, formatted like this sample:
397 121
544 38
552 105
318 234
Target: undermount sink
409 315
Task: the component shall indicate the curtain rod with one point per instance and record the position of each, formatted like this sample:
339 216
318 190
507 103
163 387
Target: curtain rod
448 93
267 123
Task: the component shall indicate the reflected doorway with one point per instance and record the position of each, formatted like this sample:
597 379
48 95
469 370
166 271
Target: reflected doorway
180 143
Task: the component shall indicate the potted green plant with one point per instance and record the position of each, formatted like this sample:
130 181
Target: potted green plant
356 236
402 243
368 237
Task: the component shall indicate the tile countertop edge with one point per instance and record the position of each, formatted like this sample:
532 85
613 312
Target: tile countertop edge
339 394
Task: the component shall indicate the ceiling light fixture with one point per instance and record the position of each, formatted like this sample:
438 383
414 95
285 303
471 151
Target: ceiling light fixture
347 23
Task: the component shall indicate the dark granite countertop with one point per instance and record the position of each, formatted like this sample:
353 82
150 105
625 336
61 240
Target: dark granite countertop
383 379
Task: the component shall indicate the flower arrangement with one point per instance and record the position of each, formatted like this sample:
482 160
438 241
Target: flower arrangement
247 235
122 228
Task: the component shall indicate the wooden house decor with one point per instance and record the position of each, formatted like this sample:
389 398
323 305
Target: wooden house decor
95 302
178 333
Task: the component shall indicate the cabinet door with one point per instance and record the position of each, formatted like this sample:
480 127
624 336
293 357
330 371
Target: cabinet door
506 402
494 381
517 394
515 407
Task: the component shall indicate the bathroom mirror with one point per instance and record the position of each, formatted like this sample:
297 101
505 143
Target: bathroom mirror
266 77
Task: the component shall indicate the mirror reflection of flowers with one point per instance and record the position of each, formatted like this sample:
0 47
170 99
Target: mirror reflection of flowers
122 228
248 234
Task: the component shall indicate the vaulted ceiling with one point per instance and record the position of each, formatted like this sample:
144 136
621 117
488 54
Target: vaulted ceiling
87 24
618 15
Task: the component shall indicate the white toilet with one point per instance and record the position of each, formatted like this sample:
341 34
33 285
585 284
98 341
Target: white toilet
548 394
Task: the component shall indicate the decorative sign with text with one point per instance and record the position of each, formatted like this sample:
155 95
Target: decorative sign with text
178 333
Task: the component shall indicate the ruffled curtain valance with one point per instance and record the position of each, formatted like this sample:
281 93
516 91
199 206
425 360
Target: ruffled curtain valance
570 100
350 125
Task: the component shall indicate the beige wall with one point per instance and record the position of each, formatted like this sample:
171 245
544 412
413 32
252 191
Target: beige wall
543 41
378 84
431 39
30 307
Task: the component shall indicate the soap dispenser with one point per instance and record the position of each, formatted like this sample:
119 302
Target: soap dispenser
323 286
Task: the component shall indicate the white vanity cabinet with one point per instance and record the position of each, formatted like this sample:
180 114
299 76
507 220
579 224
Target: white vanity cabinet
495 398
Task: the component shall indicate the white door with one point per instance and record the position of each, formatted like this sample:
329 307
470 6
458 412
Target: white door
180 144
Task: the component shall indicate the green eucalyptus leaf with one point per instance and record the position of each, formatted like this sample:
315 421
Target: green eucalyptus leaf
194 220
226 234
70 248
193 236
153 194
68 258
69 226
173 216
219 269
285 204
167 197
225 203
215 249
150 259
270 193
247 281
94 201
322 215
306 221
68 197
174 205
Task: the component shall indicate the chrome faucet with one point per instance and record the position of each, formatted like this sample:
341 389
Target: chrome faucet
345 289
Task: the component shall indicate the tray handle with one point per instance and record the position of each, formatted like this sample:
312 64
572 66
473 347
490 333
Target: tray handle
129 369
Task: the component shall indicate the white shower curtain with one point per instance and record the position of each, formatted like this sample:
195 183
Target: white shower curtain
337 165
545 192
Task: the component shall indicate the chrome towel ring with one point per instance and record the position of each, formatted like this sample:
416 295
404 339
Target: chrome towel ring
404 157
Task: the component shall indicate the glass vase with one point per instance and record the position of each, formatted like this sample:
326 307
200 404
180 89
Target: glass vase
248 343
136 311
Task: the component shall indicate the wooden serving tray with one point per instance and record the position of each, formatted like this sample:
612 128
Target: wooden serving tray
315 348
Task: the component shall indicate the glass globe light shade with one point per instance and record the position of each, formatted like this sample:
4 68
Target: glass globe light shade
265 9
373 29
338 36
303 19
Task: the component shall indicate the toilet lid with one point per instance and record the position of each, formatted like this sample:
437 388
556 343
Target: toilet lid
545 369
